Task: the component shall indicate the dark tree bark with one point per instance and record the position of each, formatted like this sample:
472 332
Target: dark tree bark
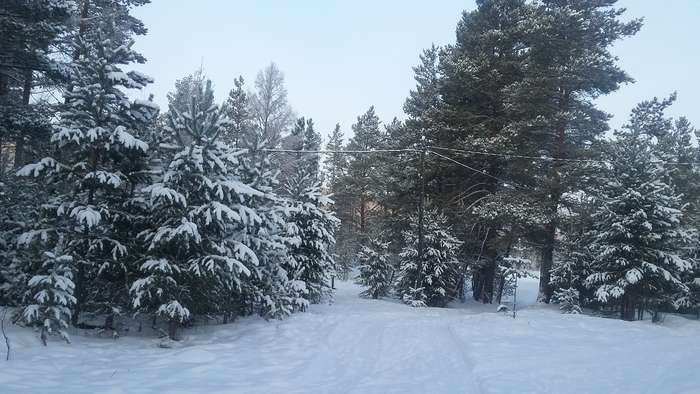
629 306
21 154
545 289
173 324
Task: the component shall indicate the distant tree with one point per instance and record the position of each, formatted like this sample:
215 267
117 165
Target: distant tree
303 137
336 170
335 164
195 85
269 107
237 110
363 179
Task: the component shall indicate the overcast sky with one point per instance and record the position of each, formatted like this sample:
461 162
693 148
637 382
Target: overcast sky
340 57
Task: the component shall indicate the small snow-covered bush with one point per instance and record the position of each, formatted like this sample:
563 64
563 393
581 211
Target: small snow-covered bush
50 297
415 297
568 300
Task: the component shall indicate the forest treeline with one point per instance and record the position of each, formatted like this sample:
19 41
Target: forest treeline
115 210
113 207
519 163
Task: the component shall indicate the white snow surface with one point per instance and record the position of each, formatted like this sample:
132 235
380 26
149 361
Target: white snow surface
359 345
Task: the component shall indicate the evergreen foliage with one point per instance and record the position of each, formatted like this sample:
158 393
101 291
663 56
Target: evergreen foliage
198 208
638 234
312 222
376 271
96 170
429 277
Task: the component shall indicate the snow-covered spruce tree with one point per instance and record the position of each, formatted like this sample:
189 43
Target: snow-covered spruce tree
18 213
638 237
93 172
50 296
237 110
430 279
270 292
335 166
568 300
195 258
312 222
677 146
376 271
573 267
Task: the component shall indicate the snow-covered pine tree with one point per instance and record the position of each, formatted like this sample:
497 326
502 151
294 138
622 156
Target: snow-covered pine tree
569 300
31 33
312 221
567 64
376 271
573 263
270 292
195 85
237 110
638 237
335 164
92 175
430 279
195 258
335 170
677 147
363 181
18 213
303 137
50 295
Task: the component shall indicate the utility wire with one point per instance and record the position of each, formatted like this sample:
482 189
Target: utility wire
465 151
389 151
505 183
546 158
330 152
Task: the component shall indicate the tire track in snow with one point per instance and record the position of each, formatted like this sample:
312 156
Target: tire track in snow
468 360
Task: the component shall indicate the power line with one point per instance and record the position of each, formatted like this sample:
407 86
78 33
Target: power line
547 158
465 151
331 152
505 182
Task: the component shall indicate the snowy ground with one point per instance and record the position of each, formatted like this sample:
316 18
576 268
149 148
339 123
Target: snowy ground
365 346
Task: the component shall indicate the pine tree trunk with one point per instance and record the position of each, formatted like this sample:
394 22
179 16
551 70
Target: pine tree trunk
4 88
362 215
545 290
489 276
501 285
172 329
21 156
485 276
79 294
629 304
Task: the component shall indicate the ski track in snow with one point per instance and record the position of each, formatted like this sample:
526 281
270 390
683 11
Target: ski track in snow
358 345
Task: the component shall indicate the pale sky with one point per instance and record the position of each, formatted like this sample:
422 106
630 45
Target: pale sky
340 57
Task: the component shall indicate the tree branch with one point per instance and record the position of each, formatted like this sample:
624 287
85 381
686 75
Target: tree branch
2 327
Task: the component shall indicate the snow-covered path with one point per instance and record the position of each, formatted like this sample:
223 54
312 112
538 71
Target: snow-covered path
368 346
